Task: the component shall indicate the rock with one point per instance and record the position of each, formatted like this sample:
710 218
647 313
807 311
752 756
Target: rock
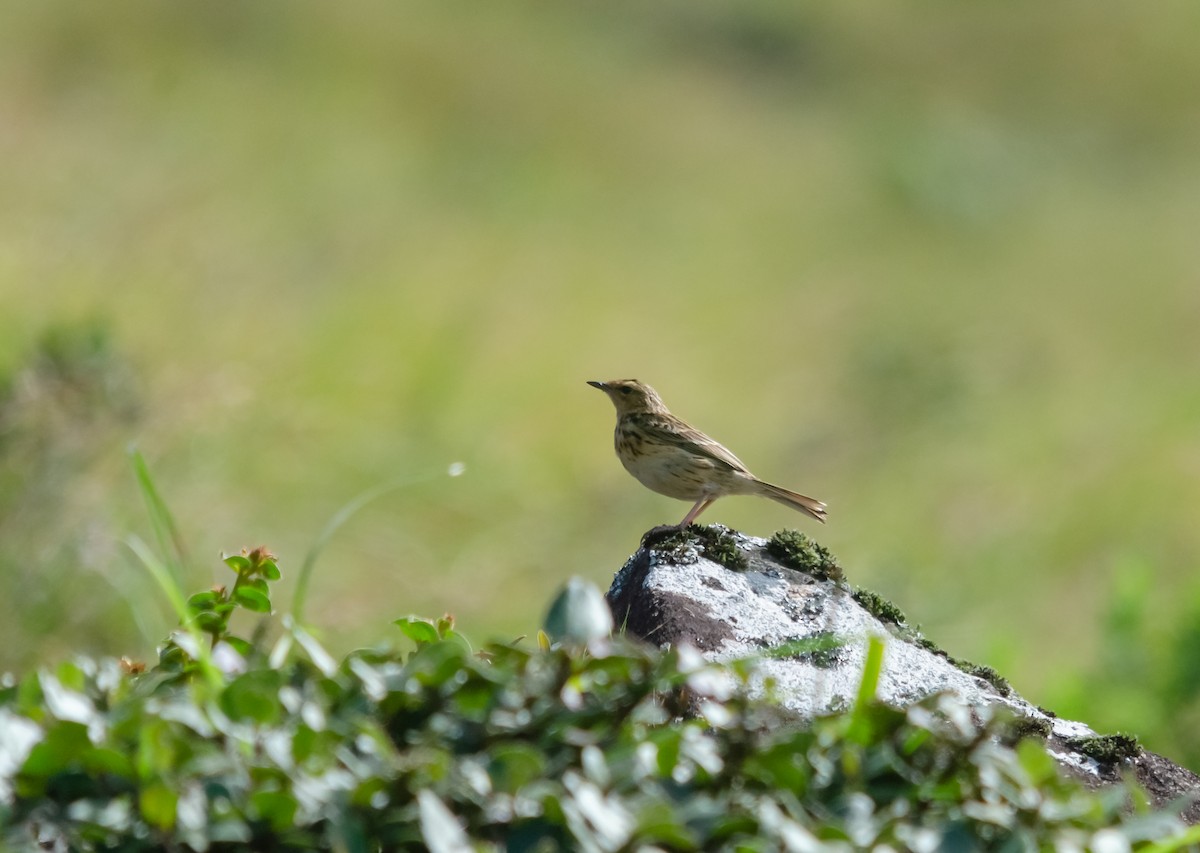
736 596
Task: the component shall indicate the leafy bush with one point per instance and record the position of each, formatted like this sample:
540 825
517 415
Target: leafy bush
228 744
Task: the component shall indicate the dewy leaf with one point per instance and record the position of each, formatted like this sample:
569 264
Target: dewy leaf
439 827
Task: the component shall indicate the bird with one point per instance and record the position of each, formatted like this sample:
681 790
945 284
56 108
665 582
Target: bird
669 456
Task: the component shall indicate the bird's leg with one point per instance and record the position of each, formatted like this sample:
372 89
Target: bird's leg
701 506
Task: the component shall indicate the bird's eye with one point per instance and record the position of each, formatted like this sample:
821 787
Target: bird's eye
626 390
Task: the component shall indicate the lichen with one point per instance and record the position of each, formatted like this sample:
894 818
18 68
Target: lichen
797 551
1108 749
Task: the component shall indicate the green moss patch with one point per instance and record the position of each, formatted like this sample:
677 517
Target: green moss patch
716 543
1108 749
986 673
879 607
797 551
1028 727
822 650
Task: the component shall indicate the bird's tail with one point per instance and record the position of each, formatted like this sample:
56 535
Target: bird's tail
808 506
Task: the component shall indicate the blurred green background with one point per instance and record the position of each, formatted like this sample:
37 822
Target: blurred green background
936 264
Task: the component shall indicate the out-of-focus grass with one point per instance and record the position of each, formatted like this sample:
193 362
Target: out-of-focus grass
935 266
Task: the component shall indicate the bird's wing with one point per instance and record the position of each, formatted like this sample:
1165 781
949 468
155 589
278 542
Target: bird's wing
669 429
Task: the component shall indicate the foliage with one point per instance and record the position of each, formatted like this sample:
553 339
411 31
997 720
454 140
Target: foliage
604 747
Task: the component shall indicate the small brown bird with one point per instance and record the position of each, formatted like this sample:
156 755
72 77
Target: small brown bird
677 460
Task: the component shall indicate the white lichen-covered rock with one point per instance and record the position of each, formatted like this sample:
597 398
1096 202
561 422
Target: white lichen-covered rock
733 596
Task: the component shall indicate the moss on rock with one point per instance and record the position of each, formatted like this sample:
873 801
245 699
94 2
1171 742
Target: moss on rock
879 607
1108 749
800 552
716 543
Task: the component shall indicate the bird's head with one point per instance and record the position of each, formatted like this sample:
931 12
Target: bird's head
629 396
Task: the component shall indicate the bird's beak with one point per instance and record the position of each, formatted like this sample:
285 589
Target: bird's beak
596 384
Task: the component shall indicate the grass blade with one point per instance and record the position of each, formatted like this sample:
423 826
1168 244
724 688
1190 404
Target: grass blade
343 515
166 532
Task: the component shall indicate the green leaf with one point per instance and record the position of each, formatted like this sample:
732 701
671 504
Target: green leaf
211 623
63 746
1036 761
666 740
243 647
254 696
456 637
157 803
252 599
511 766
256 583
659 825
113 762
203 601
270 570
276 807
71 676
157 747
418 630
237 562
1182 841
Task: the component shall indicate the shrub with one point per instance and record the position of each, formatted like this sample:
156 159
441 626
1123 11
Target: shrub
228 744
